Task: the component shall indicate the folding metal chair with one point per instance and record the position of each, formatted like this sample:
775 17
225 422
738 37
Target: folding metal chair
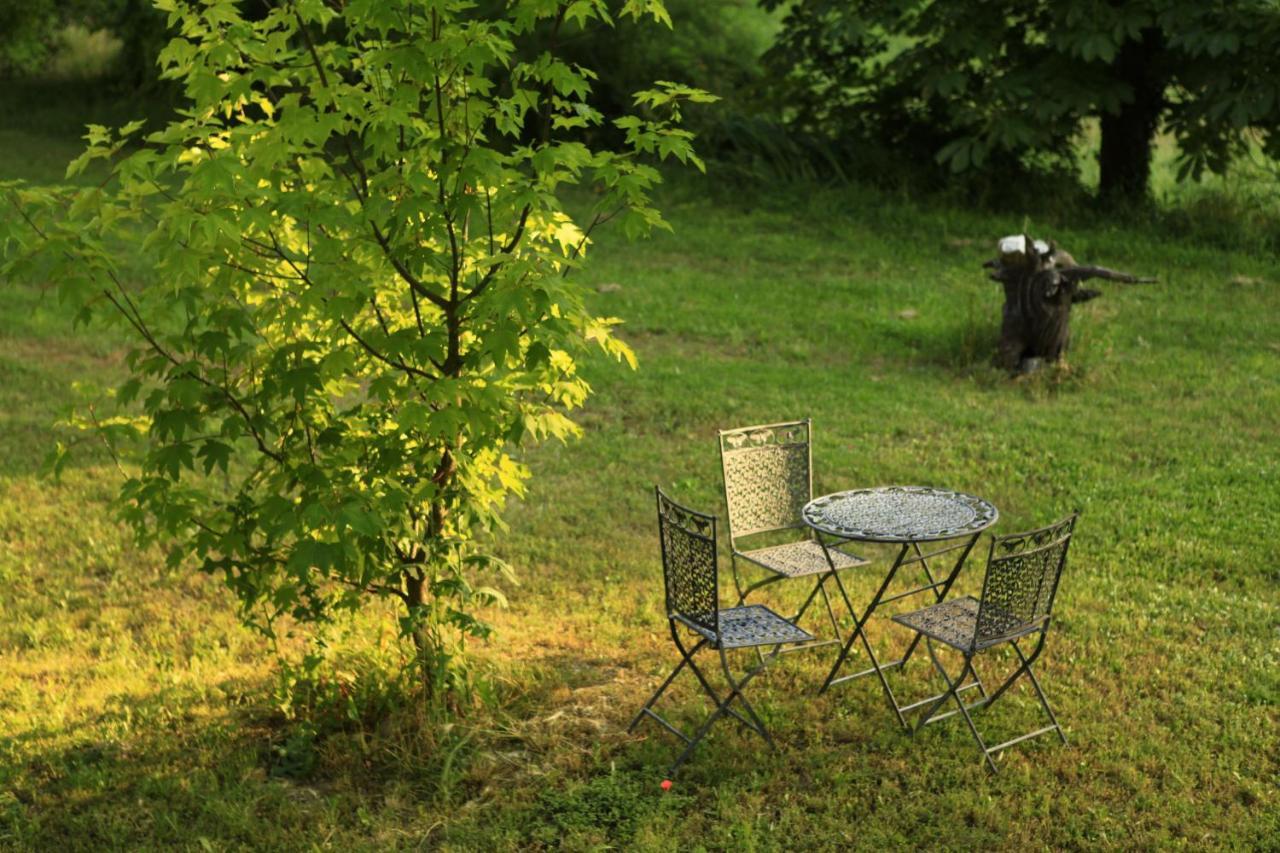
1023 570
768 479
691 575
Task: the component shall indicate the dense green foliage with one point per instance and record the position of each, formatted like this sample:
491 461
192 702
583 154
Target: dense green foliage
1006 86
26 34
37 35
713 44
346 271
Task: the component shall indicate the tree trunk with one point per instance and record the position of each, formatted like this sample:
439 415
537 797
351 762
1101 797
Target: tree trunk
415 586
414 577
1041 283
1125 157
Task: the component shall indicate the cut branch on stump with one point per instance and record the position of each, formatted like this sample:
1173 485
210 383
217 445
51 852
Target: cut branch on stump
1041 282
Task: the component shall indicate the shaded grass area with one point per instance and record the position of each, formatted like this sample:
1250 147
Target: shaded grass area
135 712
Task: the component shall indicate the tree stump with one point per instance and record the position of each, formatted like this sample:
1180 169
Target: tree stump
1041 283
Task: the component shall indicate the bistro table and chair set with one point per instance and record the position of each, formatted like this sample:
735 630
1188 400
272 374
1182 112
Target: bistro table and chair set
768 491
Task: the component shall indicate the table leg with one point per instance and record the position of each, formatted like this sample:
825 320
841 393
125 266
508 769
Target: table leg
940 591
859 632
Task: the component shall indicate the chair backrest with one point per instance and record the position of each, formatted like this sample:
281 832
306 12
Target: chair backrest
689 567
1022 579
768 476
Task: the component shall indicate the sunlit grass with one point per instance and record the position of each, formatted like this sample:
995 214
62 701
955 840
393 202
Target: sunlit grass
135 711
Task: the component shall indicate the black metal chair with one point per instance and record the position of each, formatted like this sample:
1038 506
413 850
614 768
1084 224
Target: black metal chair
690 573
768 479
1023 570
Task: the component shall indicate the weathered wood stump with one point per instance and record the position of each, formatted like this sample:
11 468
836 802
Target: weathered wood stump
1041 283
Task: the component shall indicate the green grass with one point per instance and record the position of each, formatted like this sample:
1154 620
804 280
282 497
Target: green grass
135 712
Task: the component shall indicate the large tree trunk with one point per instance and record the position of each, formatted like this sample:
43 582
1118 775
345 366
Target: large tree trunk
1041 283
1125 158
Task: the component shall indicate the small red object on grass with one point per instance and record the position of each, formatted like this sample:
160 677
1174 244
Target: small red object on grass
666 784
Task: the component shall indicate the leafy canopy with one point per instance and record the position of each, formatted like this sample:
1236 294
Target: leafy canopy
346 270
974 84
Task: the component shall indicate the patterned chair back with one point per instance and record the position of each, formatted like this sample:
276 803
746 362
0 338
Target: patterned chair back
767 476
1023 570
688 541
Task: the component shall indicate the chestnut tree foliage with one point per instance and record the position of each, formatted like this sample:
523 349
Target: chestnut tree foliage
988 84
346 269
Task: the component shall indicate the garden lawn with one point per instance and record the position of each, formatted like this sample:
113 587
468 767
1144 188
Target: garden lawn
136 712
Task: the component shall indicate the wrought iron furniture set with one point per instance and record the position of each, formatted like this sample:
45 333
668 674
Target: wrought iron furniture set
768 491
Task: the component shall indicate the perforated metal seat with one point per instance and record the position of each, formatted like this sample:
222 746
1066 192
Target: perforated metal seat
798 559
952 622
753 625
955 622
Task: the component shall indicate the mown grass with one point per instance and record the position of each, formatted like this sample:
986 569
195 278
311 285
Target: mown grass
135 712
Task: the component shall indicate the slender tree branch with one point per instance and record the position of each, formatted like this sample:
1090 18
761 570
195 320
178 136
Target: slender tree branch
140 327
456 265
385 359
409 278
136 321
369 348
507 248
382 321
600 219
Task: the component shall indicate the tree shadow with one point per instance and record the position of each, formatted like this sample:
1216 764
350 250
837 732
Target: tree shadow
178 782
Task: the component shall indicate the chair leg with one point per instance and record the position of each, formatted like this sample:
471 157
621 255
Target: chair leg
831 613
939 700
1025 669
684 661
813 593
737 579
721 706
952 692
819 587
982 688
736 687
1035 682
777 650
954 687
706 685
722 709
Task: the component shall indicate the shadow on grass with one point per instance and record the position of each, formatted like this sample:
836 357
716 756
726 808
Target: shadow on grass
183 779
174 768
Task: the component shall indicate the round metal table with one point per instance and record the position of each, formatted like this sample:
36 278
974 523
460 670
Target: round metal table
907 516
899 514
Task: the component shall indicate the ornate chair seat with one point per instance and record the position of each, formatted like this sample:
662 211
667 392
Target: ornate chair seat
953 622
752 625
798 559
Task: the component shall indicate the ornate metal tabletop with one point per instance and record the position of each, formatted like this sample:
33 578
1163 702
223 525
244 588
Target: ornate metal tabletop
899 514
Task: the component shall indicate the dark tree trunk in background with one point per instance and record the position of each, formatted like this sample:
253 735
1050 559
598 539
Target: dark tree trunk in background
1125 158
1041 283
